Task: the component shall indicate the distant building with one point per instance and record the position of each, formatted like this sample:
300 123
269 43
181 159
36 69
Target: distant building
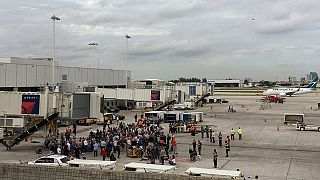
313 75
225 83
292 79
303 79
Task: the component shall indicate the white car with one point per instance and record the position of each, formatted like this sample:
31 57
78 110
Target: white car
52 160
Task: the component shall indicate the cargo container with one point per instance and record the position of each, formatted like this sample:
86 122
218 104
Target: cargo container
293 118
192 117
86 105
172 116
155 114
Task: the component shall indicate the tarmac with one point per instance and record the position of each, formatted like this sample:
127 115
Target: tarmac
269 148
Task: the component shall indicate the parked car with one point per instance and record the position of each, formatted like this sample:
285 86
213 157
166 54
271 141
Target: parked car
112 110
52 160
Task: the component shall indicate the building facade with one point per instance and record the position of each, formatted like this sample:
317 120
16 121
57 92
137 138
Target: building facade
33 73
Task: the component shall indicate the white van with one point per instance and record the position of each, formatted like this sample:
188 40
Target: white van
142 167
214 173
92 164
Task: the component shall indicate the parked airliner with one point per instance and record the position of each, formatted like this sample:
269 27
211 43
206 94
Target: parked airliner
288 91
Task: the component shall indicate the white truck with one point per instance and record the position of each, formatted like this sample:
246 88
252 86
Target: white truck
302 127
9 125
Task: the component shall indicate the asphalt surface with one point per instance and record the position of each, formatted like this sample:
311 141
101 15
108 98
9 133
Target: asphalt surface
268 149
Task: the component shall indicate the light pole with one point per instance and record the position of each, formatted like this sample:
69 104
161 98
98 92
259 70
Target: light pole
93 44
54 19
127 38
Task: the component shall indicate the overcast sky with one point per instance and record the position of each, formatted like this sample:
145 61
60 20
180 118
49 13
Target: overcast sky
216 39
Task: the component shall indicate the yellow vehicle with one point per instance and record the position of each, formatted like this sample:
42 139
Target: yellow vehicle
86 121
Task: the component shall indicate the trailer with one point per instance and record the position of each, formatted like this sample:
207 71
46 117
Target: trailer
107 165
142 167
290 118
225 174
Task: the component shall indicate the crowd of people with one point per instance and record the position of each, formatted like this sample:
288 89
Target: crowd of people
150 141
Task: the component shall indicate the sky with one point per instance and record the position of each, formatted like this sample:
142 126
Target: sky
216 39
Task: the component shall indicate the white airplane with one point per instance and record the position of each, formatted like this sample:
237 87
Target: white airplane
310 88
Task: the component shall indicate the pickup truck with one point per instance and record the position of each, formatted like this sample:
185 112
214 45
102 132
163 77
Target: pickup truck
303 127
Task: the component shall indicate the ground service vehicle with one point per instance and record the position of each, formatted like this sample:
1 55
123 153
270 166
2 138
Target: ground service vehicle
303 127
9 125
86 121
293 118
52 160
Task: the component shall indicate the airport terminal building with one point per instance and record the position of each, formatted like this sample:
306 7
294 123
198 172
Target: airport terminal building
30 74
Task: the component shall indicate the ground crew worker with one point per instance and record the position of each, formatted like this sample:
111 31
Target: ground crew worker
239 133
202 131
227 148
220 139
215 158
210 134
232 134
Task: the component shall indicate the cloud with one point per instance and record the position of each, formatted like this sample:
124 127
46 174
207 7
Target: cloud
213 39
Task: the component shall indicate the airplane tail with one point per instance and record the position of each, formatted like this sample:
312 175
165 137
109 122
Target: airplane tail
313 83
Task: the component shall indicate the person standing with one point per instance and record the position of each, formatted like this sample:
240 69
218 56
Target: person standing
77 152
75 129
215 158
199 147
202 131
240 133
135 118
220 139
95 149
213 137
232 134
194 144
174 145
227 148
207 131
104 153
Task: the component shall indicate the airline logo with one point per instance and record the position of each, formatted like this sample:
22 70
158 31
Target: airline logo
30 104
